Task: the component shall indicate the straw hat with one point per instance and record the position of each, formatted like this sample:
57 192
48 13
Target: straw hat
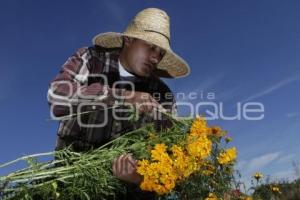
151 25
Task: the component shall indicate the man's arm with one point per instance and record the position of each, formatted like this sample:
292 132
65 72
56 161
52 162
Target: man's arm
70 87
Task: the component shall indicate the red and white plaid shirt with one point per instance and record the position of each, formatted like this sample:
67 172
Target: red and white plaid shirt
83 95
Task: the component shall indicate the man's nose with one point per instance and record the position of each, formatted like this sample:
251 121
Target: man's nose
154 57
154 60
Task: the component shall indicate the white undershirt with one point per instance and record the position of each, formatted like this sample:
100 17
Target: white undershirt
123 71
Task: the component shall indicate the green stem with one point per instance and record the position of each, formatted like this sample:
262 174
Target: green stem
26 157
121 137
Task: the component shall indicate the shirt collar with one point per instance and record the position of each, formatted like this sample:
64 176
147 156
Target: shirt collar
123 71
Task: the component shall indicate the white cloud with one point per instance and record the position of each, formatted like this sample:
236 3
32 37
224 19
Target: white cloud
273 88
257 163
286 159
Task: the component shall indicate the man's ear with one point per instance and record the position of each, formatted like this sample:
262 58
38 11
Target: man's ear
127 41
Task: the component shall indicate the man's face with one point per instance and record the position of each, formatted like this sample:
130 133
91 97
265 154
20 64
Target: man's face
141 57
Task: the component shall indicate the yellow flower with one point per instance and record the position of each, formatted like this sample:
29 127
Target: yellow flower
159 153
183 163
275 189
199 147
142 166
160 147
199 127
228 156
159 175
211 196
258 176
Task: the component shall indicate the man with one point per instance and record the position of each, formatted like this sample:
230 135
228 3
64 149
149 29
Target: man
121 69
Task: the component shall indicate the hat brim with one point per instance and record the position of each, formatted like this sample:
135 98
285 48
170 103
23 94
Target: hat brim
171 65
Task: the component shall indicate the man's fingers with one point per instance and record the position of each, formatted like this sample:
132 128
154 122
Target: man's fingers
132 161
126 164
146 106
151 103
114 167
142 107
119 165
154 103
131 169
146 103
131 164
161 109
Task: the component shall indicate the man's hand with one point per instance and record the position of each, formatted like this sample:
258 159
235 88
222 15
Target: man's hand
143 101
124 168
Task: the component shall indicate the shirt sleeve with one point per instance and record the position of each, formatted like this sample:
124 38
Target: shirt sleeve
70 92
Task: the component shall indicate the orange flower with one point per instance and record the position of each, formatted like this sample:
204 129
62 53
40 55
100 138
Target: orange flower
216 131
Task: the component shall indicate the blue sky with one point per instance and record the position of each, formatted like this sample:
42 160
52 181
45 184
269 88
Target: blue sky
241 51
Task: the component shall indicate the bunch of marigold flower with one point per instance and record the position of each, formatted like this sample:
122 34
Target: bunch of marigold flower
172 164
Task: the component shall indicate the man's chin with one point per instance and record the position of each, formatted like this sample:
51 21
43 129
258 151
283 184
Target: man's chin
145 74
149 75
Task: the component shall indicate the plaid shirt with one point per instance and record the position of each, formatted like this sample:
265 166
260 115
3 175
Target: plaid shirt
83 94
